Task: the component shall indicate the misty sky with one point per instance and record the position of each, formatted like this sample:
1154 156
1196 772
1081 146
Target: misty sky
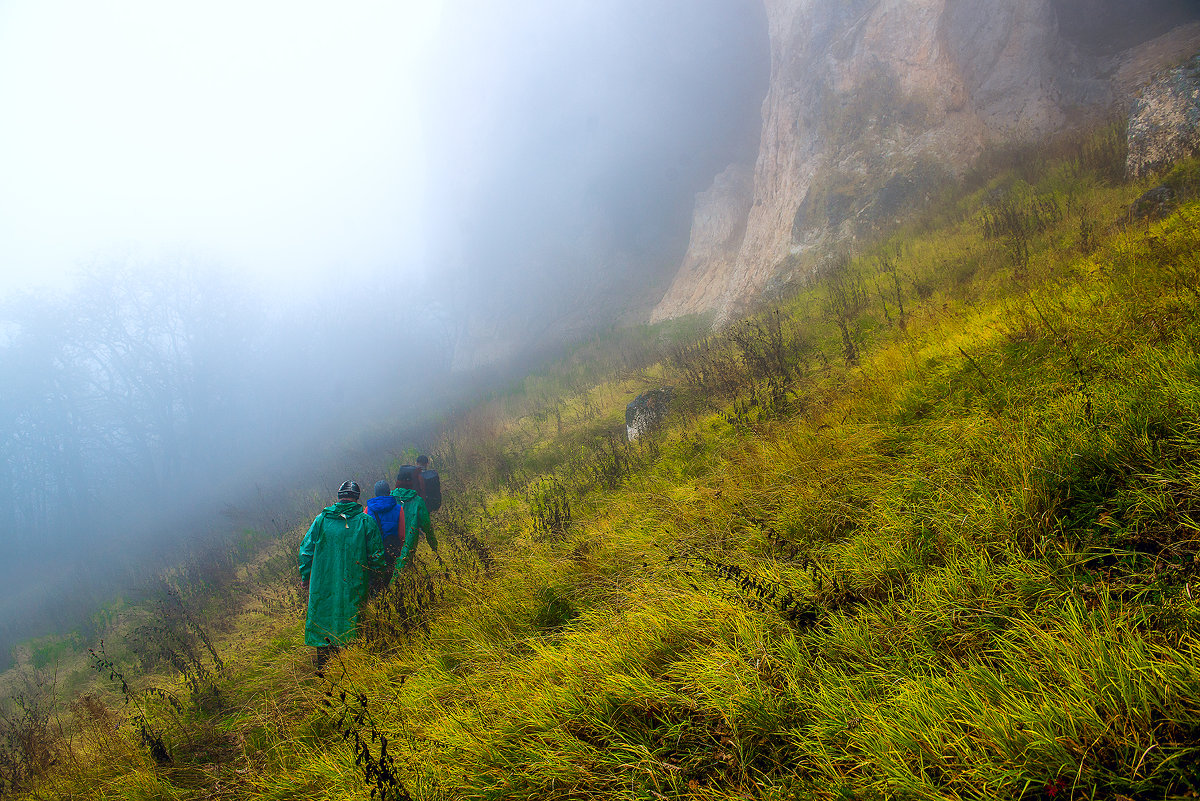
414 188
294 140
281 138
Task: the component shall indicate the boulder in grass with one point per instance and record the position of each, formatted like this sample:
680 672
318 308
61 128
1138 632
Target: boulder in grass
647 411
1164 122
1154 204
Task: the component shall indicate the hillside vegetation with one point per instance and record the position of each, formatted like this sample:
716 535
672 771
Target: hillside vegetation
928 527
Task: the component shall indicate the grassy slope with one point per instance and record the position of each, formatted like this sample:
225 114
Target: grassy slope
962 567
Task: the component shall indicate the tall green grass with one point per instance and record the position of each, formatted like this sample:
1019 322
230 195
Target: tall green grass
926 529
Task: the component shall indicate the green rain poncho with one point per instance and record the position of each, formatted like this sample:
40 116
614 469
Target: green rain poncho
338 553
416 520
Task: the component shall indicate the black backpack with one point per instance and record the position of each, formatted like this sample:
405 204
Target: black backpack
433 489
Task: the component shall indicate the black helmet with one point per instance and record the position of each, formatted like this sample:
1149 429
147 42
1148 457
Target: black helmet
406 477
350 490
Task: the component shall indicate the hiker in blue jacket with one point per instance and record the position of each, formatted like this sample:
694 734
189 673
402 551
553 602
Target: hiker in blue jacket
389 514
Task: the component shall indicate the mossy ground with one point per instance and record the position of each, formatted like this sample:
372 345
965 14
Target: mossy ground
929 529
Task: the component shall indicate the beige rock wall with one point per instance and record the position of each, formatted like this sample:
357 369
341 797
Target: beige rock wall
718 227
860 92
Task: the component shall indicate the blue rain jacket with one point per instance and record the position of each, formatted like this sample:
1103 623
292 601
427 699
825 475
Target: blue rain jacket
388 514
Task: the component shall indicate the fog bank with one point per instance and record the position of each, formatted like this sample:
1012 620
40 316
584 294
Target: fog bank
235 238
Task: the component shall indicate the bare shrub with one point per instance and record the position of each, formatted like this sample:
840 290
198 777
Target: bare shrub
31 740
176 638
846 298
550 508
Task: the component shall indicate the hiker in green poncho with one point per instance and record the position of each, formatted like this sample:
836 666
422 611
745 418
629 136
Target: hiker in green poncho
337 557
416 514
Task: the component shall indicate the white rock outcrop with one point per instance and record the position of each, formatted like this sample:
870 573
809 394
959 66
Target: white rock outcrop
1164 123
869 100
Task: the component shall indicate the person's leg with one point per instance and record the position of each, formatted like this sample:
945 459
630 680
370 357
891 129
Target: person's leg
381 578
323 654
391 552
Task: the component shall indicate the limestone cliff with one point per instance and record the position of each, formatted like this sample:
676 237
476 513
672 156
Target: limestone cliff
718 228
870 101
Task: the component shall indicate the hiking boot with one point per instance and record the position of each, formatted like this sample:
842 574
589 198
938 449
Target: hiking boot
323 654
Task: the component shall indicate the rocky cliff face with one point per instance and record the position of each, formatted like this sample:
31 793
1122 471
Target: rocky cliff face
718 230
871 101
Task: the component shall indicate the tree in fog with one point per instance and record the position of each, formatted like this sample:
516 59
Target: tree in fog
116 396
